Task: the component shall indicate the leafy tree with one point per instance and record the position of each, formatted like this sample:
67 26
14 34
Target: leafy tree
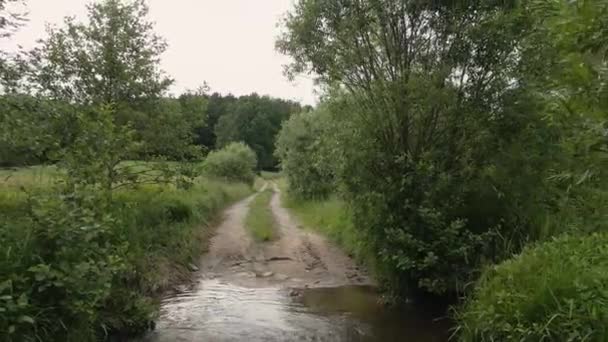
112 59
234 162
441 158
33 129
176 143
11 65
256 121
217 107
565 62
194 107
303 150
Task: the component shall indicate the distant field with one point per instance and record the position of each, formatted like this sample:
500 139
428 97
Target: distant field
41 176
28 177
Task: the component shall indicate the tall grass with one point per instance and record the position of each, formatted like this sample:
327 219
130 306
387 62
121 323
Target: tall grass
74 274
556 291
331 218
260 221
268 175
28 177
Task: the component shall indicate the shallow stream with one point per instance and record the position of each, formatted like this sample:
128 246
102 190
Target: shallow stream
216 310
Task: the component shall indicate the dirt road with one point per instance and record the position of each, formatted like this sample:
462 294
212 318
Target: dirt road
299 287
298 258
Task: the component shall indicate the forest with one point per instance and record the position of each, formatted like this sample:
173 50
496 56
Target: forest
458 151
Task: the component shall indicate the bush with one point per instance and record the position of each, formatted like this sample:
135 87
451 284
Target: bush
433 219
303 154
61 257
235 162
557 291
443 174
76 267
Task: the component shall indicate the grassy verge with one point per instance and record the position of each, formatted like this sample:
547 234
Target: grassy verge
268 175
554 291
258 184
28 177
331 218
72 271
260 220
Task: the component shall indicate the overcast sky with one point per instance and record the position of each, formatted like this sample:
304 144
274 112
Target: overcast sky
228 43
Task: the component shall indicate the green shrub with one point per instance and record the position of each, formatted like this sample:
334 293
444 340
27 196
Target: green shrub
443 174
235 162
75 267
301 150
57 269
557 291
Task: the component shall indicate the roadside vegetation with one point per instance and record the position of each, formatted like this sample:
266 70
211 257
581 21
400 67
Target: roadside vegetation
460 150
108 186
556 291
465 145
94 265
331 218
235 162
260 220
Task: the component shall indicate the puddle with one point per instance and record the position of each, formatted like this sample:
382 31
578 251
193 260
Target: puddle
361 304
216 310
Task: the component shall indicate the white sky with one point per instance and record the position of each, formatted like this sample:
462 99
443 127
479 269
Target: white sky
227 43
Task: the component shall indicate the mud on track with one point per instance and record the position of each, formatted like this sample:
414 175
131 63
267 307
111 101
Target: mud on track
298 258
299 287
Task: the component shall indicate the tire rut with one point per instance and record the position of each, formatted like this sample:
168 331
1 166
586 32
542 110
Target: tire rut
297 258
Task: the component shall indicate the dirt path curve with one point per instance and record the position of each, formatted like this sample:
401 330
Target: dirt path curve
298 258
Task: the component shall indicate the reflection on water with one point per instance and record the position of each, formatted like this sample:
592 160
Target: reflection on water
218 311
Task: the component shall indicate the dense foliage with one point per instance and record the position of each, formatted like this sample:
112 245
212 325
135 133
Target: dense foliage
301 148
113 59
89 243
76 267
255 121
458 134
451 137
431 159
235 162
557 291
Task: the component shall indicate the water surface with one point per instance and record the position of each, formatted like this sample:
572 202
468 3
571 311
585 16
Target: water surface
216 310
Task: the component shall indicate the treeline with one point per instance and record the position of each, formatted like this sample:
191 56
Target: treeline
460 134
182 128
113 62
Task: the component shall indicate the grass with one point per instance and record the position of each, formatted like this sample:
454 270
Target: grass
94 273
260 221
331 218
28 177
555 291
268 175
44 176
258 184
